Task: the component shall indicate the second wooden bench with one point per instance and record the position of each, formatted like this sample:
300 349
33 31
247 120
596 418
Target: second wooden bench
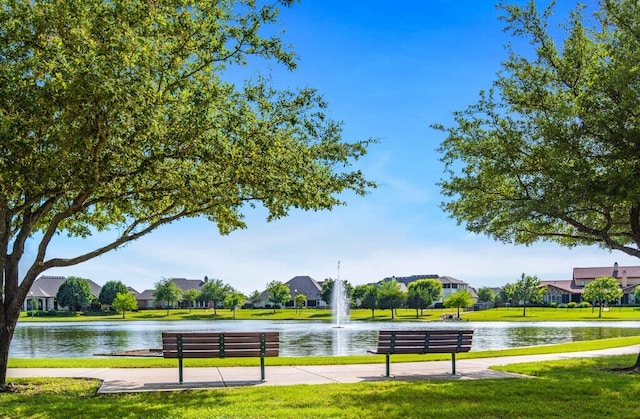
182 345
423 342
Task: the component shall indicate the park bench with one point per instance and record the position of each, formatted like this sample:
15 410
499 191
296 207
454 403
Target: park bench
182 345
423 342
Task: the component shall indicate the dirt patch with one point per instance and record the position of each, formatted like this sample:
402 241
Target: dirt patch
134 352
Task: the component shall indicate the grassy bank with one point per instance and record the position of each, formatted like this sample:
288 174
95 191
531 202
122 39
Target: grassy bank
307 314
586 388
142 362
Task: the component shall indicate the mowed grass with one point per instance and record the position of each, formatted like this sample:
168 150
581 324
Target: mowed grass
584 388
158 362
312 314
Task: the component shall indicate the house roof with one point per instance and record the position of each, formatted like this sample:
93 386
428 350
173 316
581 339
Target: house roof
596 272
145 295
304 285
188 284
47 286
564 285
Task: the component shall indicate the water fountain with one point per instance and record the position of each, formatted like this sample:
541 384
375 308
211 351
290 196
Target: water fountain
339 302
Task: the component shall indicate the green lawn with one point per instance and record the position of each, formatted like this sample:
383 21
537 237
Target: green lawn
586 388
499 314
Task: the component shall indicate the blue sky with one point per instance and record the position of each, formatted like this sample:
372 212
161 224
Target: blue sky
389 72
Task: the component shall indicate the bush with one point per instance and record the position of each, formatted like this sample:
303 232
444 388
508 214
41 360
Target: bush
562 305
572 304
584 304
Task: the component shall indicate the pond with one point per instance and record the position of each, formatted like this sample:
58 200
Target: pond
297 338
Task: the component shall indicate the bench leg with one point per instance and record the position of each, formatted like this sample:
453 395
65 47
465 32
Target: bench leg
453 363
261 368
180 370
388 368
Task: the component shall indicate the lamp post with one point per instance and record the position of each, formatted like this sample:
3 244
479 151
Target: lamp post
295 303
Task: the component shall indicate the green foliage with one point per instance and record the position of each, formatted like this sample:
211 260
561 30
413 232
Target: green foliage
167 292
109 291
572 304
215 291
74 293
368 297
423 293
190 296
129 115
459 299
602 290
300 300
528 290
124 301
550 152
278 293
486 295
326 294
390 296
233 300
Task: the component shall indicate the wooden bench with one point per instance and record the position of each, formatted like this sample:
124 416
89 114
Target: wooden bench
220 345
423 342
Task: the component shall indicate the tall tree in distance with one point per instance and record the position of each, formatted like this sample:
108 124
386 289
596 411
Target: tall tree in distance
127 115
74 293
462 298
528 290
278 293
215 291
604 289
124 301
110 290
422 293
167 292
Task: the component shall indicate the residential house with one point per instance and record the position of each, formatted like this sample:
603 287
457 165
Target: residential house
147 301
45 290
298 285
565 291
450 285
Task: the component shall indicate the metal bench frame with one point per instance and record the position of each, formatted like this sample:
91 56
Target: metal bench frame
182 345
423 342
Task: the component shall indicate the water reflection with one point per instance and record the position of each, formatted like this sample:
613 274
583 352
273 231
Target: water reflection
84 339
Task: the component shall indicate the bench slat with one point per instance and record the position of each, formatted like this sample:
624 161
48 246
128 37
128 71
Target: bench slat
423 342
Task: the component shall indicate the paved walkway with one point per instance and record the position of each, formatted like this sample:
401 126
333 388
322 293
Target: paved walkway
127 380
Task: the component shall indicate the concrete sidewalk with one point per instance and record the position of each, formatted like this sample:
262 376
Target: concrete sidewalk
127 380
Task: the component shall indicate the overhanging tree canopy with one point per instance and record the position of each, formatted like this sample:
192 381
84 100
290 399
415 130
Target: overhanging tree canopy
551 151
116 115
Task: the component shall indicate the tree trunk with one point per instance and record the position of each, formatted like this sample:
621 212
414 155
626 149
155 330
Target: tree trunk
6 333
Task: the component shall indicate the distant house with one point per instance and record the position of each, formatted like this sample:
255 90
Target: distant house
45 289
566 291
450 285
298 285
146 301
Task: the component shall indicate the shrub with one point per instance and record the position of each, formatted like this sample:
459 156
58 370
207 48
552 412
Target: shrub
562 305
572 304
584 304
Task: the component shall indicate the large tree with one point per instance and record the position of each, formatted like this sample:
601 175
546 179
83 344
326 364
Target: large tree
527 290
550 153
422 293
278 293
390 296
110 290
215 291
126 115
462 298
74 293
604 289
167 293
